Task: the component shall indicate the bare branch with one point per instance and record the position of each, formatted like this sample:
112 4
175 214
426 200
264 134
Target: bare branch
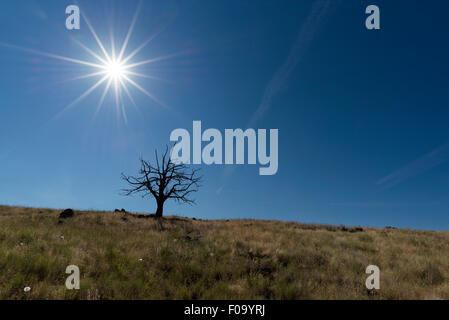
166 180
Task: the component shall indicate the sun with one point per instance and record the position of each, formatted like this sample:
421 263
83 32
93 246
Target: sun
115 70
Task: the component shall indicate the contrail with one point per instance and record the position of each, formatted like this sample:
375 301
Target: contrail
306 33
303 40
420 165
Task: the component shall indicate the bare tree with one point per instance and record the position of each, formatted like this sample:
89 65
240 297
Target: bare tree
164 180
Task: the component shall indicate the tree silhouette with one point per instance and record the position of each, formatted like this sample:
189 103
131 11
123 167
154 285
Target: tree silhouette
164 180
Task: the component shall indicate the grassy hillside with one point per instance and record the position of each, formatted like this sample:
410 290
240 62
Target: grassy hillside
139 258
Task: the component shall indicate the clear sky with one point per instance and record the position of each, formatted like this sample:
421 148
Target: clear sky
362 115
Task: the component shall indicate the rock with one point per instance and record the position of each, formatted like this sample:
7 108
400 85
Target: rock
27 289
190 239
67 213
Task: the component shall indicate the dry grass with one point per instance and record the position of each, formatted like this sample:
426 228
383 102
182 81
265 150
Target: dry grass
193 259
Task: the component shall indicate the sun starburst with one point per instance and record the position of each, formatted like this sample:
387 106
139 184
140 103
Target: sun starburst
115 71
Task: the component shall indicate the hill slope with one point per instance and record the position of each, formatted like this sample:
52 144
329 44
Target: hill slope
139 258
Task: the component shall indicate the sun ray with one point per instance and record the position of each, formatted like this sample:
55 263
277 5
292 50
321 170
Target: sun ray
153 60
122 107
116 88
86 93
130 31
89 51
105 92
125 117
143 90
85 76
100 44
132 73
111 35
144 44
137 50
125 87
51 55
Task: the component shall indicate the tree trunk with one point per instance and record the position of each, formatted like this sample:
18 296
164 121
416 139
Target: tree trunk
160 209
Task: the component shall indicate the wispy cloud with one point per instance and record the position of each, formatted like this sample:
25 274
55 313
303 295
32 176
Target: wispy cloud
419 166
309 28
305 36
384 204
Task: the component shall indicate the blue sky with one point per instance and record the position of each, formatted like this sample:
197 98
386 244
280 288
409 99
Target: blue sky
362 115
